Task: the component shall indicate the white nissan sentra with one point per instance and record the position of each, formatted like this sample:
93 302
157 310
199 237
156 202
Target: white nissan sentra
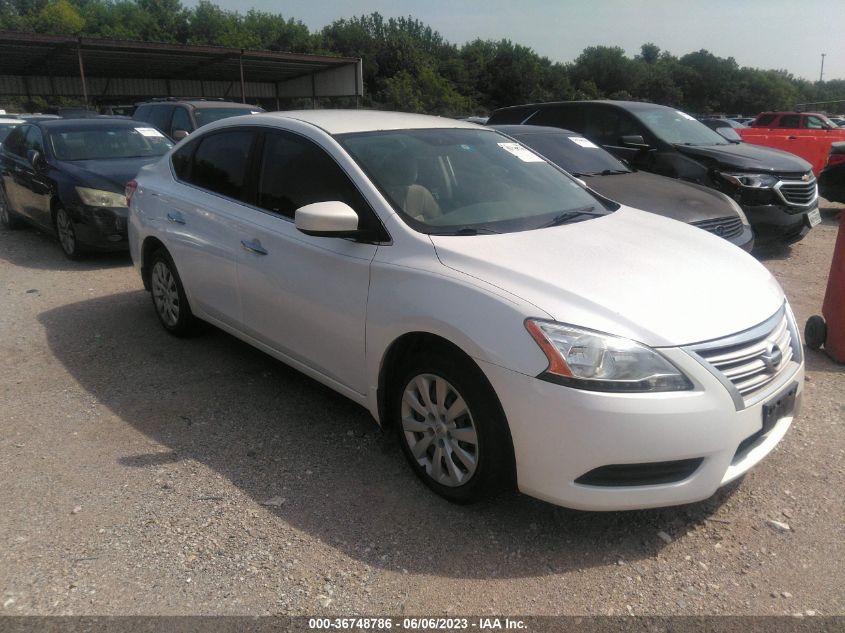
507 323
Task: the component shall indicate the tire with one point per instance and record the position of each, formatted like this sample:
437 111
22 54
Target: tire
815 332
451 427
7 217
66 234
168 295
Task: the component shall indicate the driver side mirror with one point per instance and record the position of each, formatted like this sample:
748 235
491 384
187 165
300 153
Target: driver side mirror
634 140
36 159
178 135
327 219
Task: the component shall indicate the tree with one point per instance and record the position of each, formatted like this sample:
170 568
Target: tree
59 17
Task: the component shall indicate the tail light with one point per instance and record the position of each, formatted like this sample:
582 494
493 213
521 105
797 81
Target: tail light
131 187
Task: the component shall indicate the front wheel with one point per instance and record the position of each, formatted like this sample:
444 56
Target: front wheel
168 294
67 235
451 427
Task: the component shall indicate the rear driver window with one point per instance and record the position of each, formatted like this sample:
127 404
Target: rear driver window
220 162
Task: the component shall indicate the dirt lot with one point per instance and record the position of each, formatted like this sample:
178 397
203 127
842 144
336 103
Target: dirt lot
137 471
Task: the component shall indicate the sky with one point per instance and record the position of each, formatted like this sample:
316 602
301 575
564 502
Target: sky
778 34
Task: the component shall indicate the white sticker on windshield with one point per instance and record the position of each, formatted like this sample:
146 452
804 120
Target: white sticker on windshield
522 153
685 115
583 142
149 131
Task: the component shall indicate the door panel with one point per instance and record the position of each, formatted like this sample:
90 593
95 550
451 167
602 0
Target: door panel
305 296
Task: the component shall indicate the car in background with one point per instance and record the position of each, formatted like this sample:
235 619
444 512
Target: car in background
694 204
178 118
716 123
805 134
7 125
504 321
837 120
776 190
68 177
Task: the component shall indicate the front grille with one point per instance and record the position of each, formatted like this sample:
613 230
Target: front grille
798 192
723 227
753 360
649 474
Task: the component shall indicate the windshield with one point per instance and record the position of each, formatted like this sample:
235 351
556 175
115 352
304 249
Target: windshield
575 154
459 181
105 142
204 116
678 128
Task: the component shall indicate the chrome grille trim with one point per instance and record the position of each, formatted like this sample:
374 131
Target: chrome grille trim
723 227
747 363
798 193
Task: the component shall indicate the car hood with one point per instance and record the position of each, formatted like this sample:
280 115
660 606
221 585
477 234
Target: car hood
108 174
630 273
664 196
748 157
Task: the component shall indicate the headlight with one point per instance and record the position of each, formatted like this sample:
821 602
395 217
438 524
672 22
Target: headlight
750 181
601 362
738 210
100 198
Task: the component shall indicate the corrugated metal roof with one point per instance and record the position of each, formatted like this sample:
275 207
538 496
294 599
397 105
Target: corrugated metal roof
33 55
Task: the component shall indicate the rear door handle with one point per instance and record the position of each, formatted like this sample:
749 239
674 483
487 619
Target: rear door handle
791 138
253 246
175 217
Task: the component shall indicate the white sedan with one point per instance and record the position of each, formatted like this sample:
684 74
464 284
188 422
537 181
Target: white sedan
507 323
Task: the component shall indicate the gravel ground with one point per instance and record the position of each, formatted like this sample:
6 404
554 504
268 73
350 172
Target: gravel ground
143 474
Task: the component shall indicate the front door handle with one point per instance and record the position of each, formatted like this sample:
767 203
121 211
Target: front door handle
254 246
175 217
791 138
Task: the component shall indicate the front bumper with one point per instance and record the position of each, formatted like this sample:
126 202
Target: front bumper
773 222
744 240
102 228
560 434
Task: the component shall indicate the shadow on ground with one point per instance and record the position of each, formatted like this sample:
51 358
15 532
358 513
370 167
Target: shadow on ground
31 248
272 431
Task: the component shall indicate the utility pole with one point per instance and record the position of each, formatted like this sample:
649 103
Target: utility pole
821 73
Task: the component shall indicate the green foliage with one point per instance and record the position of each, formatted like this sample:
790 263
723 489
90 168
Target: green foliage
409 66
59 17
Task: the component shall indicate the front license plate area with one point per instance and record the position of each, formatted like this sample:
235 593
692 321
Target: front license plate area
780 406
814 217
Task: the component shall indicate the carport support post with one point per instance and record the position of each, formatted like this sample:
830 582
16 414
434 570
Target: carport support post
243 87
82 70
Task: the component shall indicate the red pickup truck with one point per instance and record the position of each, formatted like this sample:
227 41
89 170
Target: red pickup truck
806 134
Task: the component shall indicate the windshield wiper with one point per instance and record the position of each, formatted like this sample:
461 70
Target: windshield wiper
469 230
608 172
568 216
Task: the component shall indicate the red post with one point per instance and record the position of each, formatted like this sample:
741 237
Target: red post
833 308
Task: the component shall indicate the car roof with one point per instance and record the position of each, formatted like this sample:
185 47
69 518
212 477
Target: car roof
88 123
5 119
517 130
625 105
350 121
200 102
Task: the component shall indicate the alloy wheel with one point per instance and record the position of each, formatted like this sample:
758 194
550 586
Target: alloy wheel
64 227
165 294
439 430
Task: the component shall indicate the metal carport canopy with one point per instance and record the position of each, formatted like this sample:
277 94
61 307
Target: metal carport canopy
98 69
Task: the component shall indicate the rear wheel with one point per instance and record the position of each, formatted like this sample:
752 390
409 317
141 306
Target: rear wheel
451 427
168 294
7 216
67 234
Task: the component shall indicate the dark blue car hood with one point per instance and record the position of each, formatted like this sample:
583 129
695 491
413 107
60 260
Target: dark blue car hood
109 174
